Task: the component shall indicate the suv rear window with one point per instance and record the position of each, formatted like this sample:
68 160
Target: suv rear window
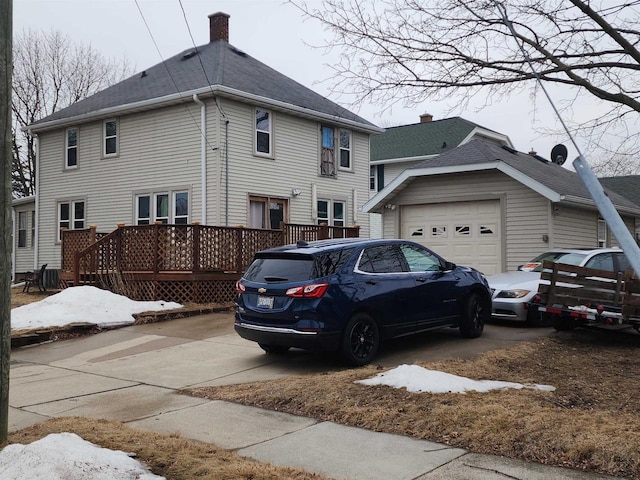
296 268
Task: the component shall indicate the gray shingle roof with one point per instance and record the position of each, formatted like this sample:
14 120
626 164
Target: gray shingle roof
559 179
215 63
420 139
628 186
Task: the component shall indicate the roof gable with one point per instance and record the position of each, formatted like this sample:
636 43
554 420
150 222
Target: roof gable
214 64
548 179
424 139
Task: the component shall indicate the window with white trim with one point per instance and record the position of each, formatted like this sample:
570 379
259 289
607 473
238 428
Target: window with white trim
344 138
602 233
22 229
263 132
71 215
110 144
33 228
332 212
163 207
71 148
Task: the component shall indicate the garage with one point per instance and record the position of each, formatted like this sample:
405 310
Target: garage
467 233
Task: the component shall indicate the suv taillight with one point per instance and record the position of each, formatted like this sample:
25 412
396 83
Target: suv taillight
312 290
240 287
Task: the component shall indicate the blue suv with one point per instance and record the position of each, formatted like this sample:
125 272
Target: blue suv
348 295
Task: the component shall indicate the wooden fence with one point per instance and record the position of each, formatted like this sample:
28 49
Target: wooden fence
183 263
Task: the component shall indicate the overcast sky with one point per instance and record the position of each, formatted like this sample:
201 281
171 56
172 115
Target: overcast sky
271 31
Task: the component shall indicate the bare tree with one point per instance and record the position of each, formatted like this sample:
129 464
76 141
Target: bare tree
407 51
50 73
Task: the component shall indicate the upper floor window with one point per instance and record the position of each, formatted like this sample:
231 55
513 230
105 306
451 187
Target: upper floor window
263 132
71 215
345 150
376 177
110 138
71 148
156 207
22 229
327 152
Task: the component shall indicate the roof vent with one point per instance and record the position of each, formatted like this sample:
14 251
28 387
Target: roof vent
143 74
189 54
510 150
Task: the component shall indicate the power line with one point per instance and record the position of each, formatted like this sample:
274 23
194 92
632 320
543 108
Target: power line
175 84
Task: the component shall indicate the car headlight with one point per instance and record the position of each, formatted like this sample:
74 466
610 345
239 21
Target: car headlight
513 293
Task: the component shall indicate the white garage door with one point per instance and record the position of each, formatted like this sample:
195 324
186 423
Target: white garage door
467 233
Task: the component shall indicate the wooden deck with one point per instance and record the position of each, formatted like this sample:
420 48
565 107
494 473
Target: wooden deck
182 263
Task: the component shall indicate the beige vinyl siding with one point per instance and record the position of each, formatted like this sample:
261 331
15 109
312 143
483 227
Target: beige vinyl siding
630 224
158 151
392 170
524 212
23 255
575 227
295 164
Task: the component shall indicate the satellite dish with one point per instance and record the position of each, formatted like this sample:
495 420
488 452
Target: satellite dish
559 154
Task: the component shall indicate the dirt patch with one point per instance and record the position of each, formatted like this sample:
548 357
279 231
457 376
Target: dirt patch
171 456
591 422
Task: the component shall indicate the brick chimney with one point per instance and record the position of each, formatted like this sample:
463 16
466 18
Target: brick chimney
426 118
219 27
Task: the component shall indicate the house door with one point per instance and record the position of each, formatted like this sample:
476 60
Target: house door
267 212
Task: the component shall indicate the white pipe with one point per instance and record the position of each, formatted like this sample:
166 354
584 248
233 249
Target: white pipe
13 247
36 241
203 155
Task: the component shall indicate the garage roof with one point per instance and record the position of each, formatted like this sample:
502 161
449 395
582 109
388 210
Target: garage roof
554 182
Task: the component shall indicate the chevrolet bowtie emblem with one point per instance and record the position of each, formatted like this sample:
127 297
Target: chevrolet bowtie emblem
262 290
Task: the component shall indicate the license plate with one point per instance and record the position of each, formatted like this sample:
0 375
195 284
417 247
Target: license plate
265 302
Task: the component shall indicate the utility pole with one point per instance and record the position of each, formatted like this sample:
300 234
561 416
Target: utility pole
6 69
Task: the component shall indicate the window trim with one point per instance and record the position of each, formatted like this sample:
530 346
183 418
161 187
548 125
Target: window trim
341 149
153 206
22 227
330 220
602 242
67 148
334 170
105 138
33 228
72 218
267 200
256 131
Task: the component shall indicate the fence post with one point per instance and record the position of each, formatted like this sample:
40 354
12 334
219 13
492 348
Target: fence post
119 260
76 269
195 252
283 227
156 248
239 256
323 232
63 252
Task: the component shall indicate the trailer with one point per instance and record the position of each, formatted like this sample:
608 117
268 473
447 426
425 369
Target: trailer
578 296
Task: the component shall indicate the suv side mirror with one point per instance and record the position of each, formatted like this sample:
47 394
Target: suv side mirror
447 266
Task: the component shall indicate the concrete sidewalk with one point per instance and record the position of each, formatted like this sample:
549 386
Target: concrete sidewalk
131 375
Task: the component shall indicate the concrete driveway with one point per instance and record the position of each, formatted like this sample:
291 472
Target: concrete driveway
132 373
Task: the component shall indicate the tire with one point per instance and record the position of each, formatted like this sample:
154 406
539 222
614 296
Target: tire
274 349
360 340
538 319
562 323
476 312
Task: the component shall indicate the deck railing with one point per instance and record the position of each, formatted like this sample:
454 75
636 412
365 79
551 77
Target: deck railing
134 260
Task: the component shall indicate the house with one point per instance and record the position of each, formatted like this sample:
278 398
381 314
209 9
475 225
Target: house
24 237
210 135
402 147
627 186
493 208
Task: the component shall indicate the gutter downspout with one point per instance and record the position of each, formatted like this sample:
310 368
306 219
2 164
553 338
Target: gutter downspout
226 172
13 247
203 156
36 241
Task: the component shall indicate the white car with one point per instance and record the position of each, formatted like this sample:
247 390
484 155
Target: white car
511 292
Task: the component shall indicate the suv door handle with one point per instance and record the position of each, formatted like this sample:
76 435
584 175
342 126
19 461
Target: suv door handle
421 279
371 282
